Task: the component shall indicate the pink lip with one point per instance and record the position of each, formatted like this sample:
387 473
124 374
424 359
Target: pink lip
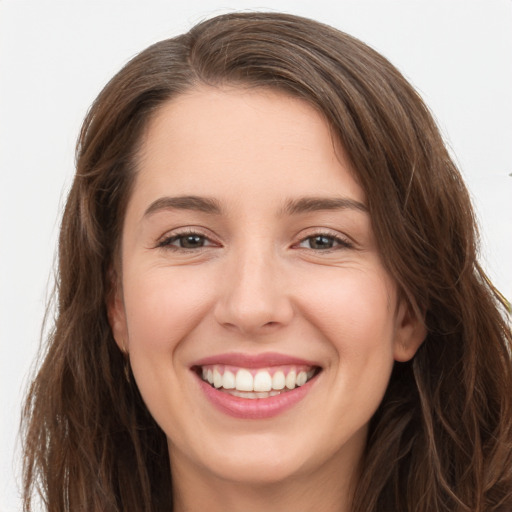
254 361
257 408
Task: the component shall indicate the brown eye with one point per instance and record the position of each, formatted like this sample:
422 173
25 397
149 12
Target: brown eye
324 242
191 241
185 241
321 242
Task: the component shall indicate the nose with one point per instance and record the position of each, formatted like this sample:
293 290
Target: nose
254 296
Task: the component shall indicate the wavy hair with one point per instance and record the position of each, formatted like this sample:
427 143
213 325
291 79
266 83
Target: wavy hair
441 439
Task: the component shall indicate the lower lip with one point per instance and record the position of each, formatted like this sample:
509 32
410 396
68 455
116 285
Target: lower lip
254 408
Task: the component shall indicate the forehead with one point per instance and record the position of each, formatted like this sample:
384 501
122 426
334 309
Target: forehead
211 140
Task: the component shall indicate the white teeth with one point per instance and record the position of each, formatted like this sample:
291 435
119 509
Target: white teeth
291 380
217 378
262 381
261 384
302 378
244 380
228 380
278 380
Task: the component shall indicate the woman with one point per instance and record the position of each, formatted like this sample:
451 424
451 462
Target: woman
268 292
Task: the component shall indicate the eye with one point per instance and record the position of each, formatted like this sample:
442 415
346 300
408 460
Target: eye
186 241
322 242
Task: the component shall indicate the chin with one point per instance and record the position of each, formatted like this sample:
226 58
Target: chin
260 470
264 458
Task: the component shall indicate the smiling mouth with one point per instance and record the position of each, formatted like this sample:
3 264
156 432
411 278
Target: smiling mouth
256 383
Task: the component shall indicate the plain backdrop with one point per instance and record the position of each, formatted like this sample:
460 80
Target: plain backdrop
56 56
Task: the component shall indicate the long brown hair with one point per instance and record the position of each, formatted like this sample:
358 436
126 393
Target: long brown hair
442 438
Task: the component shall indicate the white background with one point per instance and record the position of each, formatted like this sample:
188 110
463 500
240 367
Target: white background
56 56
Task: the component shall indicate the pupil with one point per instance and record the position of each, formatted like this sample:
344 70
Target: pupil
321 242
191 241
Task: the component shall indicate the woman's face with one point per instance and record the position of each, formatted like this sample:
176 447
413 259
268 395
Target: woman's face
249 262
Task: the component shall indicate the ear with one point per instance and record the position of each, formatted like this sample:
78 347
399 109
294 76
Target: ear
410 331
116 314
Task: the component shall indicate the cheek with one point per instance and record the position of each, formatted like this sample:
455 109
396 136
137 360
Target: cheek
353 312
163 305
352 307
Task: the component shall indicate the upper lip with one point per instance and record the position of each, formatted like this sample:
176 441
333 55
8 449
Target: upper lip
263 360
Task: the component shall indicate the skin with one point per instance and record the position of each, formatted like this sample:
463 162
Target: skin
257 284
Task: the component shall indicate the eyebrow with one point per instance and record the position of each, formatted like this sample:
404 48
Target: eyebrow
292 207
200 204
313 204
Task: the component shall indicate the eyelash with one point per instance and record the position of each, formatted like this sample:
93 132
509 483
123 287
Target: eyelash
341 243
166 243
